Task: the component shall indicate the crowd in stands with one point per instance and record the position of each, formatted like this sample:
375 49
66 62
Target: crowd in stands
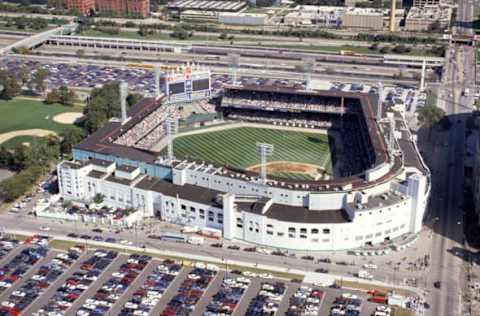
276 101
149 130
283 121
206 106
354 150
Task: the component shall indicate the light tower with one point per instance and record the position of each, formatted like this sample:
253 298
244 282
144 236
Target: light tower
123 86
156 69
234 61
391 141
171 128
308 65
422 78
393 8
380 101
264 150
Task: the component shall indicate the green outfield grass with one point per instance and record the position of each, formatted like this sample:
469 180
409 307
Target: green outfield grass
21 114
236 148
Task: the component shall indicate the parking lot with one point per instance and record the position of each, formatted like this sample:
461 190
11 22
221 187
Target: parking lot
37 280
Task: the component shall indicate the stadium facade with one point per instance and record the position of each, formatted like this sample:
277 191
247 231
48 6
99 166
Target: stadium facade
379 194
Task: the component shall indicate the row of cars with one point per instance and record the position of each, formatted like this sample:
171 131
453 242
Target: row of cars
346 305
45 276
76 284
305 302
268 299
191 290
147 296
225 301
6 246
113 289
19 265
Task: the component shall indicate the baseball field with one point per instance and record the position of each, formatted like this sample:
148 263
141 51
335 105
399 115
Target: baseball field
21 120
296 155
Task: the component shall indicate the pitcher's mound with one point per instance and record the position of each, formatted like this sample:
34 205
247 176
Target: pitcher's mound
313 171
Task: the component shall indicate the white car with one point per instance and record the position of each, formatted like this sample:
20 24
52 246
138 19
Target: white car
266 275
44 228
249 274
370 266
8 304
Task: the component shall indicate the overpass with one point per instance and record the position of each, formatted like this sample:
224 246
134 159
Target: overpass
38 38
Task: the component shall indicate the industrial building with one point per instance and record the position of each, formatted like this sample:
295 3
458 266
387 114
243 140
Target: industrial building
423 19
324 16
177 7
115 7
345 17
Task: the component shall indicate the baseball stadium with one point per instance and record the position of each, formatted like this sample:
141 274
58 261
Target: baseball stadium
273 165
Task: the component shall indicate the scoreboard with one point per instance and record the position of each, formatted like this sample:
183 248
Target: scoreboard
189 84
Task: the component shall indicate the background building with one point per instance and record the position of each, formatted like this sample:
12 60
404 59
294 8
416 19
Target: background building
116 7
422 3
325 16
430 17
81 6
363 18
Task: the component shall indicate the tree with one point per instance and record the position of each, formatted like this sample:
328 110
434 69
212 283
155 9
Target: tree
10 86
39 79
52 97
133 98
223 36
430 115
70 137
385 50
66 96
23 75
401 49
98 198
104 104
80 53
5 157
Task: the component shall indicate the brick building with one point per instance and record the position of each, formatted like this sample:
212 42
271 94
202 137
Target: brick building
117 7
124 7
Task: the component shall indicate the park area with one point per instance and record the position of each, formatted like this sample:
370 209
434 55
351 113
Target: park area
21 120
296 155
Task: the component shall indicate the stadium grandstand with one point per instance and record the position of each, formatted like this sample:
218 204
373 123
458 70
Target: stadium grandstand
338 177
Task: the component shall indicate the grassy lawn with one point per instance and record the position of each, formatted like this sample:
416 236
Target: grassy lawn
14 28
17 114
12 143
431 98
236 147
155 37
166 37
398 311
337 49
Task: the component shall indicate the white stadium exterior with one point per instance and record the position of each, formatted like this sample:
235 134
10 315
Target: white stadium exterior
385 202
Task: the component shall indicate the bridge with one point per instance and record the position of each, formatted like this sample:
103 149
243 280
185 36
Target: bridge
38 38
